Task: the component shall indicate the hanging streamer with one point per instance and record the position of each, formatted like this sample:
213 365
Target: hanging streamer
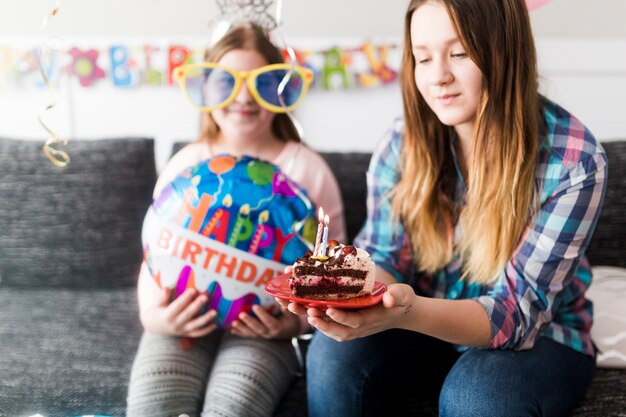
52 13
278 18
58 157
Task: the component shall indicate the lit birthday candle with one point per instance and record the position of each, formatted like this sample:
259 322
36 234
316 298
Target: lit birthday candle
318 236
324 244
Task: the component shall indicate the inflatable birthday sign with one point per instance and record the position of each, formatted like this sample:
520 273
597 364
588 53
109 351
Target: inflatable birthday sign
227 226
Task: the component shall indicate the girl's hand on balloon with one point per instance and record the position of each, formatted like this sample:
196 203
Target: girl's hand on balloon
266 325
181 317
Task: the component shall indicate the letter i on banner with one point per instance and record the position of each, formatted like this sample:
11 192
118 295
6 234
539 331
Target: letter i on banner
152 76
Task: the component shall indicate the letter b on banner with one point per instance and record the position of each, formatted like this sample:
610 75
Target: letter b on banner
120 68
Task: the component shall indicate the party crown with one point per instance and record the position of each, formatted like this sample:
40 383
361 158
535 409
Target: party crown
257 12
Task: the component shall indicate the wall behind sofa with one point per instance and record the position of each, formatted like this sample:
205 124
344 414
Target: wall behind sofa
581 45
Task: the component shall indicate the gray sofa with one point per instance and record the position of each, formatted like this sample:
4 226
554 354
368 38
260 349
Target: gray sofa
69 255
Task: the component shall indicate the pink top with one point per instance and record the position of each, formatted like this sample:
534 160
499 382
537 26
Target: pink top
301 164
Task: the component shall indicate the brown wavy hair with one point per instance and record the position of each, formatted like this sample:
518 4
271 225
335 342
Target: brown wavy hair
501 185
248 36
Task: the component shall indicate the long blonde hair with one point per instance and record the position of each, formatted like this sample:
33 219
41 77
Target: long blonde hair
501 183
248 36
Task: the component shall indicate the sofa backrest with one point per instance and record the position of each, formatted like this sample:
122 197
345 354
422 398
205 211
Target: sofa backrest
78 226
350 169
607 246
608 243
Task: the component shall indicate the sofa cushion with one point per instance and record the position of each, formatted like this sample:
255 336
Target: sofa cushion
608 292
607 243
78 226
66 352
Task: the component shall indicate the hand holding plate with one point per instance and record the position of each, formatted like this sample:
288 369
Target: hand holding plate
396 305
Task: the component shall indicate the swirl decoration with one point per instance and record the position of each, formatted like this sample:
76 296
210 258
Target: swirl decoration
58 157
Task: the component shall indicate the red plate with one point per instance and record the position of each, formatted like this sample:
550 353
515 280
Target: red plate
279 288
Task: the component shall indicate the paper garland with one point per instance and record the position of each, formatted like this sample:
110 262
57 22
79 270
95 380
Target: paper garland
124 66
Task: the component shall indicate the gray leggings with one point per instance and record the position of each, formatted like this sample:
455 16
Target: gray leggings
220 374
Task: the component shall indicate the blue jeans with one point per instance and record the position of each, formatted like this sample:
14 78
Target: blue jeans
387 374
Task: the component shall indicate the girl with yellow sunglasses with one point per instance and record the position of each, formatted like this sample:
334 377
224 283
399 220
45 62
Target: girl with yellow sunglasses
277 87
244 370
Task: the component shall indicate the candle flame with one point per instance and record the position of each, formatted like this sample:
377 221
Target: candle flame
228 200
245 209
320 214
326 220
264 216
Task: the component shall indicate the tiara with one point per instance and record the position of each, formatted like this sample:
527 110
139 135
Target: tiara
262 13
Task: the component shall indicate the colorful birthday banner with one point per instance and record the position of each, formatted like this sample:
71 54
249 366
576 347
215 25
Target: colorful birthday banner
150 64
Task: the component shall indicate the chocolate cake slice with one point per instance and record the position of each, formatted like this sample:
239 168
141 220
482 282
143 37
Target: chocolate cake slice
345 272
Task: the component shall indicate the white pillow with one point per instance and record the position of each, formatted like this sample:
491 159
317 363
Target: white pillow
608 293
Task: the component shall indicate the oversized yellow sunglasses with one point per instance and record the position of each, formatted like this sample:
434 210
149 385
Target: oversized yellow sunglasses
278 87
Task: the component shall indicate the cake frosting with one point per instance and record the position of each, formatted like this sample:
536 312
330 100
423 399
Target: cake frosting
344 272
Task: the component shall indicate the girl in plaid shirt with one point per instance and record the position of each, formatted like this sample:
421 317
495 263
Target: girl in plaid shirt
481 203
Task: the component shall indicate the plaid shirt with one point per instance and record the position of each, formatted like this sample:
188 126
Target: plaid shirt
541 290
